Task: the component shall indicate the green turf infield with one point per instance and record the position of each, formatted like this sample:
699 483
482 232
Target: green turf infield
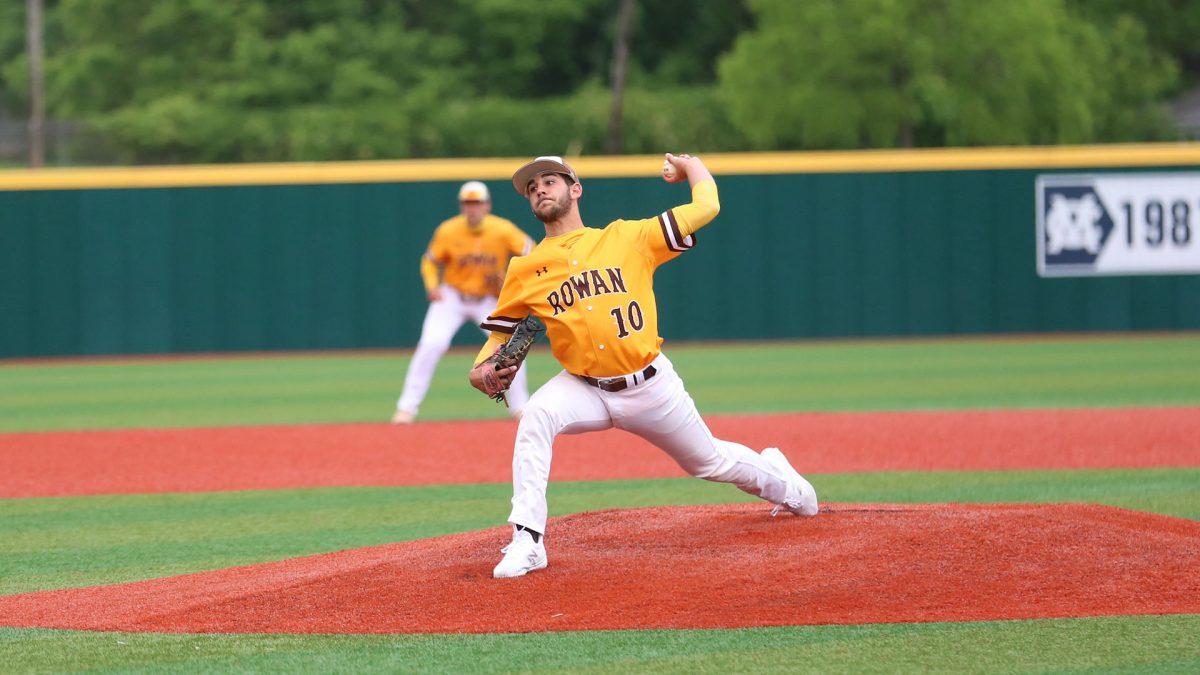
769 377
79 541
1125 644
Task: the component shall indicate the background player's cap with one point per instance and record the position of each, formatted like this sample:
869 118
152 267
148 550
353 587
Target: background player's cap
474 191
538 166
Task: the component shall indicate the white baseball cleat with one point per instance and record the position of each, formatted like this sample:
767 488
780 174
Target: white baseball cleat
403 417
802 496
521 557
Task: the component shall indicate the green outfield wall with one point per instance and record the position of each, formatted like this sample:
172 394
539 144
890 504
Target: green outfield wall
326 256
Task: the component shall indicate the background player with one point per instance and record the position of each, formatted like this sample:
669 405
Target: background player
593 288
463 270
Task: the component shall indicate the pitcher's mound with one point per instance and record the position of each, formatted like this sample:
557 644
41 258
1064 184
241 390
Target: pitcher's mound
685 567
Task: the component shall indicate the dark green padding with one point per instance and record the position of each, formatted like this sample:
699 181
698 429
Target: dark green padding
121 271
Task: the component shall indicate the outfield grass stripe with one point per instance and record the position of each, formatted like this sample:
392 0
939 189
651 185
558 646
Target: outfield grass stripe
1156 370
1124 644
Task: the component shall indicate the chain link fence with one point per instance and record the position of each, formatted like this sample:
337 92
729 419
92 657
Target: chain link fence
66 144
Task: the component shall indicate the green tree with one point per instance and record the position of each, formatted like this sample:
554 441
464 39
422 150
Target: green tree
269 80
1171 26
522 50
13 80
229 80
883 73
678 42
253 80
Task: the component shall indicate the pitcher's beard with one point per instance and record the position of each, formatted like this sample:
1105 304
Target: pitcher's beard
552 212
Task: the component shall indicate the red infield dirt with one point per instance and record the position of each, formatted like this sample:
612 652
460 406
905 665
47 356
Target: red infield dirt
277 457
685 567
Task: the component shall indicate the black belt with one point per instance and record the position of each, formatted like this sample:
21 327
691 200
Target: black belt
620 383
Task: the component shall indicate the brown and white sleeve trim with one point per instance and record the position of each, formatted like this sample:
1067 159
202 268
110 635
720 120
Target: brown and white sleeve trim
500 324
670 229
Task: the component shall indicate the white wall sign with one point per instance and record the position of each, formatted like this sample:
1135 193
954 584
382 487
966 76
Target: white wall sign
1114 224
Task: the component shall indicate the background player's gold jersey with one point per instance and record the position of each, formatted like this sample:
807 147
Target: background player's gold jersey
473 259
594 288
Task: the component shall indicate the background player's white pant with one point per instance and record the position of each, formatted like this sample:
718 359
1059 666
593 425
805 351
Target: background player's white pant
442 321
660 411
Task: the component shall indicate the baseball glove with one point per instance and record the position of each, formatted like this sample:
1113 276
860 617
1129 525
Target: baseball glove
513 352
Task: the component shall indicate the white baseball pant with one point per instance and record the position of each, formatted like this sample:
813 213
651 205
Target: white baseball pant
442 321
659 410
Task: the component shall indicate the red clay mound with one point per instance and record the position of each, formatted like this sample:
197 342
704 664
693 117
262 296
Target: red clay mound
685 567
275 457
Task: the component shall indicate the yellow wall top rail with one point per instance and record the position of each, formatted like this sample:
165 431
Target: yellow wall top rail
628 166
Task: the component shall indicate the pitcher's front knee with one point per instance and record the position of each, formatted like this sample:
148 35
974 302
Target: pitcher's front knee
537 420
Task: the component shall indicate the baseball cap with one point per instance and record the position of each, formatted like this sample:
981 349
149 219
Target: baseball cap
551 163
474 191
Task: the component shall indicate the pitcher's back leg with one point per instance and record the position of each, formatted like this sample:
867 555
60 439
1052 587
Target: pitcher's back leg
668 418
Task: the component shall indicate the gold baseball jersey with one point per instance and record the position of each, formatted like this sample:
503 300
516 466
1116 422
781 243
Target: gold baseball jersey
594 288
473 258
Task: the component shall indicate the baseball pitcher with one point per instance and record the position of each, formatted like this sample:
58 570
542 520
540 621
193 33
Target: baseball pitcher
462 270
593 289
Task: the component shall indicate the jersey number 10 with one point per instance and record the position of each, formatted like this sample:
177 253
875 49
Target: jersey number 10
636 320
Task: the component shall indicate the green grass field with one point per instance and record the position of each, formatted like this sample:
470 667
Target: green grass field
61 542
767 377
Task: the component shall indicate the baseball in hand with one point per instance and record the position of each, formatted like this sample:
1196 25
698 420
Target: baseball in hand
669 173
